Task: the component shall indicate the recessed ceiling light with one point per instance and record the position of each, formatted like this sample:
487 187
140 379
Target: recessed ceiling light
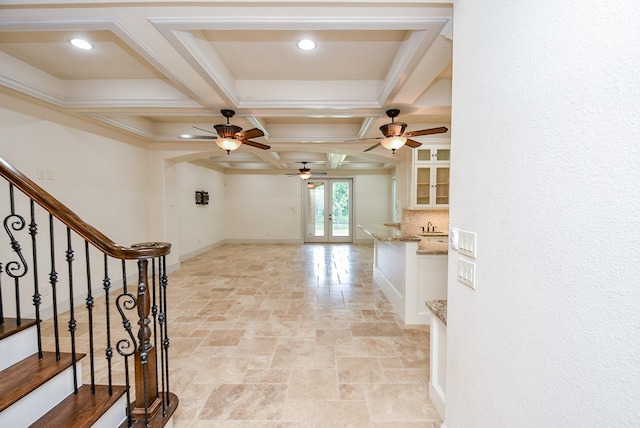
307 44
81 44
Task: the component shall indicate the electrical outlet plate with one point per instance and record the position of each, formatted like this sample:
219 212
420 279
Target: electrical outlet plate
467 243
467 273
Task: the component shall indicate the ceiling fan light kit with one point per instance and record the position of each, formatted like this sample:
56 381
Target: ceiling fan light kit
228 144
393 143
230 137
305 173
395 137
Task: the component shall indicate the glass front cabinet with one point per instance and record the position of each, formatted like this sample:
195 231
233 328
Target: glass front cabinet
431 176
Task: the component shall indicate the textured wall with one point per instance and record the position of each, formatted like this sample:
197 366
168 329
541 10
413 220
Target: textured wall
545 159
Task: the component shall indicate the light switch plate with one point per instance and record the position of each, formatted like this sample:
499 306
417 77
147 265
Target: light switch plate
467 273
467 243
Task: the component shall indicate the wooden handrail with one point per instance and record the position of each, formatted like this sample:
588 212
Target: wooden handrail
75 223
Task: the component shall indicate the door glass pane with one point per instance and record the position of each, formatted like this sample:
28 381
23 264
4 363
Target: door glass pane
443 154
340 208
315 211
423 186
424 154
442 186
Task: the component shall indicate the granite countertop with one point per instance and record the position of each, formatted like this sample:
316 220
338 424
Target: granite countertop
427 245
383 232
439 309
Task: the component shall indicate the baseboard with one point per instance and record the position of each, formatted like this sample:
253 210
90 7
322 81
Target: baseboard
199 251
262 241
437 397
390 292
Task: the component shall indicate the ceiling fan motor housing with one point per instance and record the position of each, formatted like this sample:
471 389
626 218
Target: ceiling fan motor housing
227 131
393 129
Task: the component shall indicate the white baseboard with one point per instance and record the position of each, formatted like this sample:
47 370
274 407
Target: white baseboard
437 397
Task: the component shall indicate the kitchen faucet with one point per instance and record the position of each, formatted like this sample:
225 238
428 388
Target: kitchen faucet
433 228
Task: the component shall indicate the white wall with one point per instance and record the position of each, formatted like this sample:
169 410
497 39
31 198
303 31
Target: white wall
100 179
268 208
201 226
372 203
545 168
262 208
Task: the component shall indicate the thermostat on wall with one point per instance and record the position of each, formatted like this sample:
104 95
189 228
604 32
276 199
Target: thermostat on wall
453 238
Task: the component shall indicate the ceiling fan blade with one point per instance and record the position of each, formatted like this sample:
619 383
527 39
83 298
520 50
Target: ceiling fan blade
431 131
250 133
412 143
363 139
254 144
372 147
318 173
198 137
205 130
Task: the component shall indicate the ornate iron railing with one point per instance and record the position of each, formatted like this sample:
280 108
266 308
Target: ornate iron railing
32 211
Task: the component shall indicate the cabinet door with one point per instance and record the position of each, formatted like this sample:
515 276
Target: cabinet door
433 154
431 176
423 186
441 187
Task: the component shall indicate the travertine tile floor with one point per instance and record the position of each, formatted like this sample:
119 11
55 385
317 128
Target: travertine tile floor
293 336
281 335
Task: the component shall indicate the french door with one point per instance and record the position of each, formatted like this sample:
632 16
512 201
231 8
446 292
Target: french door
328 212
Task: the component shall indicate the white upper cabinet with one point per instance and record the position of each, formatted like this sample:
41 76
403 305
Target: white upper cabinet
430 188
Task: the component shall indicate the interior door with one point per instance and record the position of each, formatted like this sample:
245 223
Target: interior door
328 213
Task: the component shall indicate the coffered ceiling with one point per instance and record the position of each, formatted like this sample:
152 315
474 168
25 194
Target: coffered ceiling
159 69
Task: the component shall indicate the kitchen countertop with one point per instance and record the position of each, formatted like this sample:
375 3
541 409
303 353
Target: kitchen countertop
427 245
439 309
383 232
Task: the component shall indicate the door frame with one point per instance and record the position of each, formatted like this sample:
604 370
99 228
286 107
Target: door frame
327 238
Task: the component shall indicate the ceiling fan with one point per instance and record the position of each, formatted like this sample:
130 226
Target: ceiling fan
305 172
395 137
230 137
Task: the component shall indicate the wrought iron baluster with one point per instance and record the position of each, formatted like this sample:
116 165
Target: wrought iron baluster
89 306
37 298
154 313
124 277
126 347
165 330
72 319
53 280
15 269
106 285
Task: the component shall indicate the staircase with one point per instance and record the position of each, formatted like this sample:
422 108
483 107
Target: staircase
62 330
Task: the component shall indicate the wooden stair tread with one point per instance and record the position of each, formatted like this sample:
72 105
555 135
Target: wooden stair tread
10 326
82 409
29 374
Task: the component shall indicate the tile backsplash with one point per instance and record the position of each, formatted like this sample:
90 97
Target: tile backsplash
414 220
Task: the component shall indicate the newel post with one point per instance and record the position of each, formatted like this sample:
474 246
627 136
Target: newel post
146 380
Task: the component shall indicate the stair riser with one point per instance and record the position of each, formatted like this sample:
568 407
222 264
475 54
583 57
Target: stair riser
115 416
18 347
33 406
